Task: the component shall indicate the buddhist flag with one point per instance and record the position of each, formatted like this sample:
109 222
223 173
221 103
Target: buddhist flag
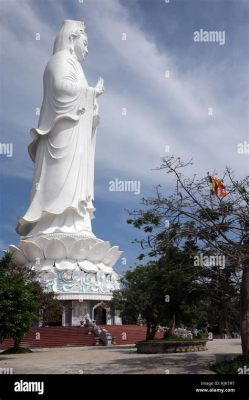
218 187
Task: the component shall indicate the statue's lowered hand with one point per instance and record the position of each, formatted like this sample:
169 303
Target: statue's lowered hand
99 88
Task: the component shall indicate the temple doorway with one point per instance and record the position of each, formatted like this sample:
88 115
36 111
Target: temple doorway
99 314
58 322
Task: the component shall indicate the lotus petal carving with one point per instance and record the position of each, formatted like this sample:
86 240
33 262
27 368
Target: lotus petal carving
79 249
98 251
18 255
66 252
103 267
65 264
31 250
87 266
112 256
41 241
55 249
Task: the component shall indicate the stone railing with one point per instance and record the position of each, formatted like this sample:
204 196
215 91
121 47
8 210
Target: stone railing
102 333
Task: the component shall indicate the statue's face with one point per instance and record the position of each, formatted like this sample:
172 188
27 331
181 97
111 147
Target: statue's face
80 47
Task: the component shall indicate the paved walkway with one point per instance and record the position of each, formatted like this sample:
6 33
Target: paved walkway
118 360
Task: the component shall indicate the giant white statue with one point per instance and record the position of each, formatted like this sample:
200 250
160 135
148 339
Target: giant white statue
63 145
56 233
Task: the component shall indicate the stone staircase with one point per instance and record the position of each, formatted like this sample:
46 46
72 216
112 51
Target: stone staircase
127 334
78 336
55 337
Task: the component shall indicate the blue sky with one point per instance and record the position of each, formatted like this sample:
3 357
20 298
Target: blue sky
161 111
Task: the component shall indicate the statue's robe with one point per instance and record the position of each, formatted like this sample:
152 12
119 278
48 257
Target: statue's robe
63 151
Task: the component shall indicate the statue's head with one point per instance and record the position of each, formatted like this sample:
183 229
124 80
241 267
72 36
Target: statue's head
72 37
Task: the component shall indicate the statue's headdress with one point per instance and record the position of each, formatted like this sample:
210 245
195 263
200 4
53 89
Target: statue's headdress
70 29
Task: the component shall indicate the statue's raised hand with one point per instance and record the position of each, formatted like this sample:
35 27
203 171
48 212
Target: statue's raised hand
99 88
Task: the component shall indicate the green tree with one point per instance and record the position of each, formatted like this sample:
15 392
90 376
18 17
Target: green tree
162 292
218 225
138 297
22 299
